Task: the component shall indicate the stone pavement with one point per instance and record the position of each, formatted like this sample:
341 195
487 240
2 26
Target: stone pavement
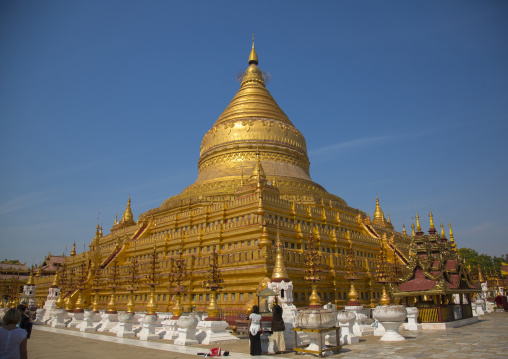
486 339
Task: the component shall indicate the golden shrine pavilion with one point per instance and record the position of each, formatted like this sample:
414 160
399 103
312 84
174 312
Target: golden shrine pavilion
254 181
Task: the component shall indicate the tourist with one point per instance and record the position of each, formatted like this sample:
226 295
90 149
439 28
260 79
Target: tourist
255 331
12 339
278 328
25 322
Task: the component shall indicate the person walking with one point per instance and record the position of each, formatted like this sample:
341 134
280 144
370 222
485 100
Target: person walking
278 328
25 322
12 339
255 331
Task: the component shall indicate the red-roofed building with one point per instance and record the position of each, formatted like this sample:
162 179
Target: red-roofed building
436 274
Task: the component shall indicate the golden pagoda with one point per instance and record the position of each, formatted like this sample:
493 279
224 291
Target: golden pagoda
236 209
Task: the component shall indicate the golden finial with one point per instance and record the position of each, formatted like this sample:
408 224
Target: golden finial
73 251
418 227
388 218
258 172
378 217
480 276
413 228
279 270
31 278
404 228
56 279
127 217
431 220
253 58
452 240
442 230
116 219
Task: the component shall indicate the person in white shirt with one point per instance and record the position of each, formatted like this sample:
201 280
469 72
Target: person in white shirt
12 339
255 331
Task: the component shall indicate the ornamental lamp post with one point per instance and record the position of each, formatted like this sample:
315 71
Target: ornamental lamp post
213 283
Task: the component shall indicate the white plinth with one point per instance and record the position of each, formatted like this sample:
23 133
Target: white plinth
77 319
39 314
448 325
359 326
107 322
148 329
170 329
412 319
391 318
125 330
379 330
314 344
59 318
214 332
87 325
289 313
392 332
186 336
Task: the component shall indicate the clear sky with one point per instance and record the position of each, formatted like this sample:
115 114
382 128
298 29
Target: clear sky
102 99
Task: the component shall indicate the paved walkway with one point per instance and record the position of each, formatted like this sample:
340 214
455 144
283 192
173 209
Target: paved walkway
485 339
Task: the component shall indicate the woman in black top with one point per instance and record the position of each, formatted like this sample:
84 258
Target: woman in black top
278 328
25 322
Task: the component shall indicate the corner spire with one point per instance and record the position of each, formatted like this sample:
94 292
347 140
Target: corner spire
452 241
413 228
442 230
73 252
404 228
432 229
253 57
418 227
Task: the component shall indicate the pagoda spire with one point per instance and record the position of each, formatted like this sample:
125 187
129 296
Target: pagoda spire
258 172
279 270
442 230
31 278
253 57
127 217
378 217
418 227
413 228
432 229
73 251
404 228
480 276
454 246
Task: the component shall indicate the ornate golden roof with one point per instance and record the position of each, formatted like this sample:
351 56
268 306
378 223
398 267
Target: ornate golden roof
252 122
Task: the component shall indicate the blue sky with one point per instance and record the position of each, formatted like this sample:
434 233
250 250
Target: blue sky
102 99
